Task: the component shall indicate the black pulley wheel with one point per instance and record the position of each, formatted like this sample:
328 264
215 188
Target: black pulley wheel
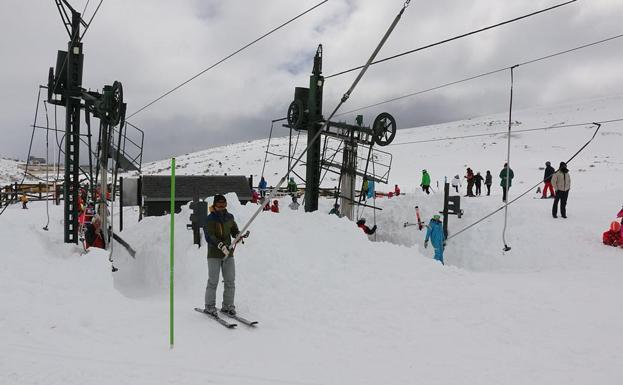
384 128
295 114
117 101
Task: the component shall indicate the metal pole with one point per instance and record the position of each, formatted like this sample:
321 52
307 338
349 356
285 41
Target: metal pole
172 252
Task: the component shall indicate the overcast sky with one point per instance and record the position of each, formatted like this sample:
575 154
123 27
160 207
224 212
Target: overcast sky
153 45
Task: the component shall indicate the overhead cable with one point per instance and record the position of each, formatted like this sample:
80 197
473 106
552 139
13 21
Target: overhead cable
453 38
481 75
504 132
225 58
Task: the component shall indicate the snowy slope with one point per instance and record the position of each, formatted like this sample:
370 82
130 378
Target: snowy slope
9 173
334 307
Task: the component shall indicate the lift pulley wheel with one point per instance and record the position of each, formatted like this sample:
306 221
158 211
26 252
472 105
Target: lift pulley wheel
384 128
51 84
295 114
117 101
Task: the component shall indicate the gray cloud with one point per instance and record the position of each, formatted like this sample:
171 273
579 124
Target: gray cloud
151 46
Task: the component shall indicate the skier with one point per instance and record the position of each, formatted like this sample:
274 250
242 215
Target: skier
547 179
294 205
562 184
361 223
262 187
219 229
620 215
488 182
425 182
93 235
24 199
396 190
478 181
292 187
456 182
275 207
506 172
434 232
613 237
470 182
335 210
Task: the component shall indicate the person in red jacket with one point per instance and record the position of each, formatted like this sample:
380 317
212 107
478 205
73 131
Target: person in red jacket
255 196
93 235
612 237
396 190
275 207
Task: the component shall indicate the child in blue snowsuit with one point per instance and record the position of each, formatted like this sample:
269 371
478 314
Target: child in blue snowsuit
434 232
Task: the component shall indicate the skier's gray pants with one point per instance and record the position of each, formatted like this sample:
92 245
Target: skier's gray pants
229 275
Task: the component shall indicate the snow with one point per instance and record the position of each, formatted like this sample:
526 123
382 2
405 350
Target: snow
9 172
334 306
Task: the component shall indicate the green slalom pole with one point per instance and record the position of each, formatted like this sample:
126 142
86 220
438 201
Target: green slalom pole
172 252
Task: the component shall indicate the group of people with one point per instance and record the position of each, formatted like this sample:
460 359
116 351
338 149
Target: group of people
259 196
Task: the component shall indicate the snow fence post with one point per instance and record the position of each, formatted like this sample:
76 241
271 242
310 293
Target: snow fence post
171 252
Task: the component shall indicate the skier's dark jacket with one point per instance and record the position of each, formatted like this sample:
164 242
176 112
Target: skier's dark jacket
92 239
219 227
488 178
549 171
478 179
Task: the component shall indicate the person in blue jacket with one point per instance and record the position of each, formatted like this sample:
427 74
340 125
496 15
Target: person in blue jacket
434 232
262 187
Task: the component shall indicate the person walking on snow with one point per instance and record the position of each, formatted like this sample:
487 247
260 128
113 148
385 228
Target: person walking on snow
292 187
470 182
434 232
547 179
562 184
425 182
24 199
262 187
456 182
219 229
478 182
488 182
506 172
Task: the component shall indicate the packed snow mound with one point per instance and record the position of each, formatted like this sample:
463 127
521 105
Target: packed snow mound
278 241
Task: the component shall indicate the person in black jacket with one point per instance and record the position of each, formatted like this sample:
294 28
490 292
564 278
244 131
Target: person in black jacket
547 179
488 182
478 181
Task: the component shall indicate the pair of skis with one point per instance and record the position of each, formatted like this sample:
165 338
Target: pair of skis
419 223
228 325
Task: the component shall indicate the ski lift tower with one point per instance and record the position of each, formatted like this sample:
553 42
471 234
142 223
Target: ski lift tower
305 113
65 89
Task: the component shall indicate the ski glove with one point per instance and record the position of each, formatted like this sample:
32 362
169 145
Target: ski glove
223 247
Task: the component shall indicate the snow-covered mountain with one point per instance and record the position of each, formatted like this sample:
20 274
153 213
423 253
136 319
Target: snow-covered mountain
337 307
